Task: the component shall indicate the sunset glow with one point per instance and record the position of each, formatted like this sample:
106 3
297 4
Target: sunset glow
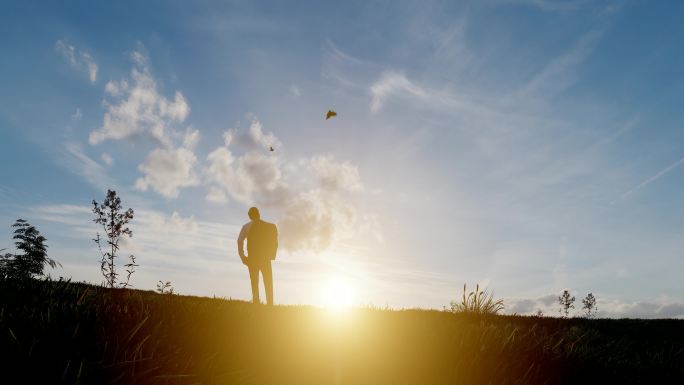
338 295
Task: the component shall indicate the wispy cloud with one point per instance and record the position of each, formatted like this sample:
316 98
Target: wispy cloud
107 159
548 5
77 115
561 71
653 178
392 83
294 90
78 59
79 162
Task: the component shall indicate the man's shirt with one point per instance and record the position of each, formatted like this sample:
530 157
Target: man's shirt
262 240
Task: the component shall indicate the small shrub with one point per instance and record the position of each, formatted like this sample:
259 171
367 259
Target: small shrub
566 302
589 306
114 221
477 301
164 287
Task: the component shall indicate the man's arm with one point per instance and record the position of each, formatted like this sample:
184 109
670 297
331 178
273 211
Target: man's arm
241 242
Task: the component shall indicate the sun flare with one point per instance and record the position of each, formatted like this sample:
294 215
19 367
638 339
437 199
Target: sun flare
338 295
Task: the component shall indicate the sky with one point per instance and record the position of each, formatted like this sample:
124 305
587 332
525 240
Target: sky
529 146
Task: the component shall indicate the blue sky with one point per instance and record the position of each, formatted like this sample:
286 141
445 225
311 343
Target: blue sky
530 146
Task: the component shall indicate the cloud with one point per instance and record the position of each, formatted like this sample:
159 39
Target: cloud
561 72
311 194
107 159
168 169
173 247
80 163
653 178
78 59
548 5
76 116
394 86
251 177
334 175
390 84
216 195
136 108
294 90
253 139
612 308
642 309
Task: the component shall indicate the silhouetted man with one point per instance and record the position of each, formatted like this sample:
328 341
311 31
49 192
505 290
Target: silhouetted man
262 245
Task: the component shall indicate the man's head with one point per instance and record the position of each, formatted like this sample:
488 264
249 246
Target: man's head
253 213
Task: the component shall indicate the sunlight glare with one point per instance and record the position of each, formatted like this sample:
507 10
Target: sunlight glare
338 295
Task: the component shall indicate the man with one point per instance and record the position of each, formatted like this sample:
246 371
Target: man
262 245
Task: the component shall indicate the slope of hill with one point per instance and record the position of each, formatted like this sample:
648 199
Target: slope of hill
62 332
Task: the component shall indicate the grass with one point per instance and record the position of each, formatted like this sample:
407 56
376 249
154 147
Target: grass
62 332
477 301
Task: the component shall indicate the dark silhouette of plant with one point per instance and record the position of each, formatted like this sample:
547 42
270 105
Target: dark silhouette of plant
5 264
539 313
478 301
114 221
164 287
34 257
589 305
566 302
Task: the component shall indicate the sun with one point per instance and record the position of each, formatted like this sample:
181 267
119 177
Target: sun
338 294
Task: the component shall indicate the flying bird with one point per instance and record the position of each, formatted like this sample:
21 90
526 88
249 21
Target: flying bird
330 114
271 148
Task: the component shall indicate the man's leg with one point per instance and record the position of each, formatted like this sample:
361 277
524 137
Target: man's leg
254 280
267 272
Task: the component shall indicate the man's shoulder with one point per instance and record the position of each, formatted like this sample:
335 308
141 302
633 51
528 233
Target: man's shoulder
245 228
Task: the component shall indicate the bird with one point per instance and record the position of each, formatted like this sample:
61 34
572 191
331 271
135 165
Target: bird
330 114
271 148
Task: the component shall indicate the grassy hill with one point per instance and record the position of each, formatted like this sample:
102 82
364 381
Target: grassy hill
61 332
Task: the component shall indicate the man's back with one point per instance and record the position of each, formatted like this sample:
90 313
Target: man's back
262 240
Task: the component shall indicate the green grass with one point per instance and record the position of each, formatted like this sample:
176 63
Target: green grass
59 332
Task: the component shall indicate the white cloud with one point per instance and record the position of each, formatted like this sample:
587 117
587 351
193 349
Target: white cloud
391 83
107 159
312 194
253 139
77 115
191 138
216 195
168 169
78 59
116 89
137 108
250 177
335 175
393 86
